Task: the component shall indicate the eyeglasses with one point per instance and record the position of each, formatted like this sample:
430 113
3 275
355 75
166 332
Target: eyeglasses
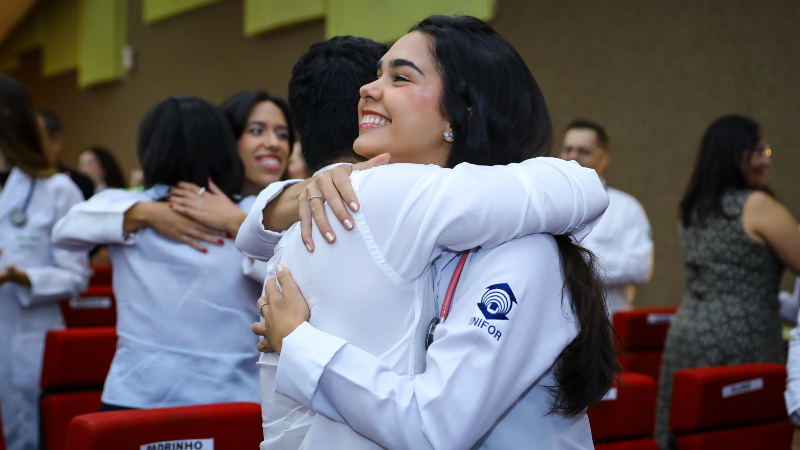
763 151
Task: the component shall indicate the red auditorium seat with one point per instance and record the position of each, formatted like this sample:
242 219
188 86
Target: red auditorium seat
731 407
642 333
226 426
102 275
625 419
76 362
97 307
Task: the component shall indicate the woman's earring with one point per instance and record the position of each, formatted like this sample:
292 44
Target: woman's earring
448 136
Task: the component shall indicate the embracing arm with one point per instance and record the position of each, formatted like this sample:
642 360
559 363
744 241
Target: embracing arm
476 366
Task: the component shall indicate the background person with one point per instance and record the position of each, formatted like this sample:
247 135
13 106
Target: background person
100 165
54 144
33 274
736 239
622 240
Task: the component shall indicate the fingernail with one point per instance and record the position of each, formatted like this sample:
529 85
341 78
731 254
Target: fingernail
169 197
328 237
348 224
229 235
205 250
279 268
171 206
353 206
220 241
308 246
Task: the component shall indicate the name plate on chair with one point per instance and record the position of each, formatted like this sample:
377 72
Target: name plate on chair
90 303
610 395
182 444
656 318
743 387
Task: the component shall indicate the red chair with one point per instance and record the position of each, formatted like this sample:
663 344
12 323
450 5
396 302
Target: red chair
731 407
625 419
97 307
75 365
102 275
226 426
642 333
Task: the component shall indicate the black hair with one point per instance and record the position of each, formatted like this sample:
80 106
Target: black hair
239 106
20 138
600 132
719 166
52 123
324 95
498 116
189 139
112 174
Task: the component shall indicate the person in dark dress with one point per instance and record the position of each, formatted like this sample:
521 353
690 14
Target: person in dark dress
736 239
55 140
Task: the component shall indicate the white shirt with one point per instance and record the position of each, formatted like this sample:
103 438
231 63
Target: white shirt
27 313
410 214
623 243
183 318
792 393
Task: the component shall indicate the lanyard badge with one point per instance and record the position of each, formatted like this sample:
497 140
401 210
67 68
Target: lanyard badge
448 298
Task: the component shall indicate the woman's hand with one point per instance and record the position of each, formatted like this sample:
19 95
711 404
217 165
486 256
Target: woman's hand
213 209
285 310
333 187
170 224
13 275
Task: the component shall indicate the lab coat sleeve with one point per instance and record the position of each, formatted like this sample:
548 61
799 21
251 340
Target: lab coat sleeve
415 211
253 239
254 269
476 368
98 220
69 274
792 393
632 261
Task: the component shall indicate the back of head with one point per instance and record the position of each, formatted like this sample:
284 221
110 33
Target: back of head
189 139
111 170
20 136
240 105
719 165
324 95
495 107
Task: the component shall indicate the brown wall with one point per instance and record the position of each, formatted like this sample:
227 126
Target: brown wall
655 73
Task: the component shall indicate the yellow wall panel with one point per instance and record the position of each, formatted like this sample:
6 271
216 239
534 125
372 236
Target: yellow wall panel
101 36
388 20
265 15
155 10
61 39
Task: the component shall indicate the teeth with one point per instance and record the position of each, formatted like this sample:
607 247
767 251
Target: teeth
375 120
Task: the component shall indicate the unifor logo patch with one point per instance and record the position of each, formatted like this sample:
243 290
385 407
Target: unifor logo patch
497 301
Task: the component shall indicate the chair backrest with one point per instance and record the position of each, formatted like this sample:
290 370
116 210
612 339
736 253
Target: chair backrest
733 404
639 444
223 426
97 307
101 276
76 362
627 412
641 335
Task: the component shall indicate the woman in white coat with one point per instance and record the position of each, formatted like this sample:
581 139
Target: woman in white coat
181 315
33 274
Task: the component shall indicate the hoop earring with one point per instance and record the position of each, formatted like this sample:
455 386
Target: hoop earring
448 136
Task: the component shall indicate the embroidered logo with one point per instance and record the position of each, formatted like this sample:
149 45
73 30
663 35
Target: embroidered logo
497 301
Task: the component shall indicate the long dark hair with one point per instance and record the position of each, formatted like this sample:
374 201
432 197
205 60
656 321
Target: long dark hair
112 174
20 136
189 139
238 107
498 116
719 166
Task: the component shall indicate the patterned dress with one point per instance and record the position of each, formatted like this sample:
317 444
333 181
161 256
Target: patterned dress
730 313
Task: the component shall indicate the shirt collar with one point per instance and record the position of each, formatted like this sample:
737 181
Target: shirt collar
329 167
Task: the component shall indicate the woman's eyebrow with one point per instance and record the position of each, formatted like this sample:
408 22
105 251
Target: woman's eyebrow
260 123
399 63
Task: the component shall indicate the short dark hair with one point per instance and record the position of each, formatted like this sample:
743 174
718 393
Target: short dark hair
52 123
239 106
324 95
583 124
189 139
112 174
719 166
20 139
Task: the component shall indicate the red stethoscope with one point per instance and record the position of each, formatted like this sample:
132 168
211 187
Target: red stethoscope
448 298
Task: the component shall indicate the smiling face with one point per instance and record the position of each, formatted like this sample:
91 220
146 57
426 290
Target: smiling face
90 166
755 165
264 145
400 111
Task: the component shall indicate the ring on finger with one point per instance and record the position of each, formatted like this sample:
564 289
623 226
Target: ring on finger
201 192
316 196
261 307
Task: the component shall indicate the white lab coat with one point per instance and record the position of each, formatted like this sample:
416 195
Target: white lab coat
27 313
623 243
183 317
409 215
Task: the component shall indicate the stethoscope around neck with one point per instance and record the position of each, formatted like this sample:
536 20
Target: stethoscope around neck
19 216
